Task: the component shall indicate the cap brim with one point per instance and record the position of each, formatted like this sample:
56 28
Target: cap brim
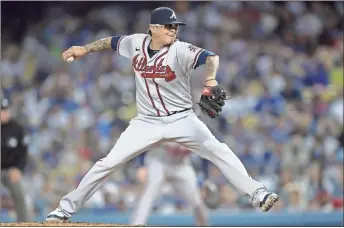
177 23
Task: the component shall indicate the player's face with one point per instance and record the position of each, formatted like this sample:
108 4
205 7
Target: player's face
168 33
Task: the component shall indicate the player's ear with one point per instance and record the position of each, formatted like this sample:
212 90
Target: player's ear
149 31
152 29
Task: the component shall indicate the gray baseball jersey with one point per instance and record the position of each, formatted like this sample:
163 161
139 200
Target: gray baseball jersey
162 81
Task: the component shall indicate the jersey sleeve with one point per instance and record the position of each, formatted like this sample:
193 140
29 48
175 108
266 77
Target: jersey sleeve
191 56
124 45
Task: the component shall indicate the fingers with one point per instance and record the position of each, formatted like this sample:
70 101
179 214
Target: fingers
67 54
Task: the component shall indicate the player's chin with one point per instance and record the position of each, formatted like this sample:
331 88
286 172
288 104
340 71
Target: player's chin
170 39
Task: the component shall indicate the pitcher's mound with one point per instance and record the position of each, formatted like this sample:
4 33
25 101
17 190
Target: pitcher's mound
47 224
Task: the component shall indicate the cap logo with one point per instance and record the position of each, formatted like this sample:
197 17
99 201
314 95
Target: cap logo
173 15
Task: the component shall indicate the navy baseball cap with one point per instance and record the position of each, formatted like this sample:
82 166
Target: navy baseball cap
164 16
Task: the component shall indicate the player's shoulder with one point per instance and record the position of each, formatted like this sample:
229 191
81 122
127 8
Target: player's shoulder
137 37
180 43
186 46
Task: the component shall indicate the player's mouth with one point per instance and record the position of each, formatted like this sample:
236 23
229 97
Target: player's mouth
171 35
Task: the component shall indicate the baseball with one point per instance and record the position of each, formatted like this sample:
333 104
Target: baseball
70 59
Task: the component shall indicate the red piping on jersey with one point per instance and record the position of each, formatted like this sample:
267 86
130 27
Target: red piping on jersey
149 95
195 59
160 97
157 85
119 41
157 58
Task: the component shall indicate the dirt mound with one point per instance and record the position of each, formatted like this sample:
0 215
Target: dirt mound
80 224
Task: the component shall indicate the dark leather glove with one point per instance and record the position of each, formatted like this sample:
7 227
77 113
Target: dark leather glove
212 100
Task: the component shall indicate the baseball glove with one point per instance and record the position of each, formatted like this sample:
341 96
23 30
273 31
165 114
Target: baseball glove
212 100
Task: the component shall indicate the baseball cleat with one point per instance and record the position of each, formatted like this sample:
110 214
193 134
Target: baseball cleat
268 201
57 216
264 199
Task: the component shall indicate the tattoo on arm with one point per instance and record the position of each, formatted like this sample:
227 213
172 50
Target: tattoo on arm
211 66
99 45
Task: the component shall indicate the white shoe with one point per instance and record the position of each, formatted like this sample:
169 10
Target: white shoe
58 216
264 199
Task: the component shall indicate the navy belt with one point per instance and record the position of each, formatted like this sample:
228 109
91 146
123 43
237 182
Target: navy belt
175 112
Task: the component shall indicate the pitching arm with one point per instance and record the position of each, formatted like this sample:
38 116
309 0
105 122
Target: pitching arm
122 44
99 45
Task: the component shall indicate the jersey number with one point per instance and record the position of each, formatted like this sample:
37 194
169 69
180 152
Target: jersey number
192 48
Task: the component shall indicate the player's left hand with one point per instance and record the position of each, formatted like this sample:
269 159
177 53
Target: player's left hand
212 100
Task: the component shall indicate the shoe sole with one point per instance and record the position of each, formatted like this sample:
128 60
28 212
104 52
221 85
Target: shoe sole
56 219
269 202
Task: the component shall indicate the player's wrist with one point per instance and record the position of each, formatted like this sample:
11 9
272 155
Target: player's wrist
210 82
87 49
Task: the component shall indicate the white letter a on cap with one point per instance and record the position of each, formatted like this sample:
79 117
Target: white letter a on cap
173 15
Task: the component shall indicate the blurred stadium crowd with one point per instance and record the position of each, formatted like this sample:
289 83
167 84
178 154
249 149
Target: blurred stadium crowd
281 62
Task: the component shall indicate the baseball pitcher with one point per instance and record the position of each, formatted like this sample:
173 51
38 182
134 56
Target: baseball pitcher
163 66
170 163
